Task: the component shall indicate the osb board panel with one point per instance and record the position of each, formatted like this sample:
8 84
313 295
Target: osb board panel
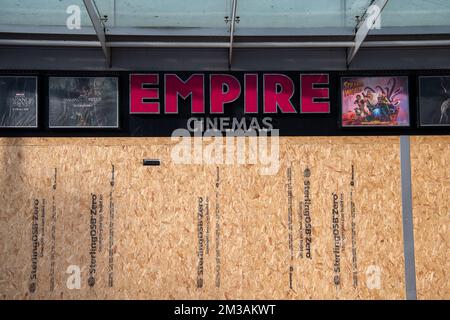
431 208
200 231
305 269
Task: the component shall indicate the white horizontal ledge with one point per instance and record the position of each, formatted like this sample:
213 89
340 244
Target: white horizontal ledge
49 43
406 43
166 44
242 45
157 44
318 44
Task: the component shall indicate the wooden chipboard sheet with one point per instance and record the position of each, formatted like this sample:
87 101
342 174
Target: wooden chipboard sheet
327 225
430 159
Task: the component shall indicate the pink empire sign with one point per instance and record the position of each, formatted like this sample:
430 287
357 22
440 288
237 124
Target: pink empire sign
222 89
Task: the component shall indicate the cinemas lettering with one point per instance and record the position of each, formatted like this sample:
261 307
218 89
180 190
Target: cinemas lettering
269 93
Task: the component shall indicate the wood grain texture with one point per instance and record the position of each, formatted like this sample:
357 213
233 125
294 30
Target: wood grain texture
430 161
253 227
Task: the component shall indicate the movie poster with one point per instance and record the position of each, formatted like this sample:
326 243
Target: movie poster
18 102
83 102
375 101
434 101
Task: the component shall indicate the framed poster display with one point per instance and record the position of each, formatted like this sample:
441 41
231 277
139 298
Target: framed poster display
83 102
375 101
434 101
18 102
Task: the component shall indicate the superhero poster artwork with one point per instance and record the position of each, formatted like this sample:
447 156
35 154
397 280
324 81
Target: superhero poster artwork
375 101
83 102
18 102
434 101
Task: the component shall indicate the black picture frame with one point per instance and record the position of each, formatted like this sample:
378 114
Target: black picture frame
431 99
19 101
83 102
406 88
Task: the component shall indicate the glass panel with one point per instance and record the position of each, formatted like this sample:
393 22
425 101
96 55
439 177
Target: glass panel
416 13
44 13
165 13
253 14
300 14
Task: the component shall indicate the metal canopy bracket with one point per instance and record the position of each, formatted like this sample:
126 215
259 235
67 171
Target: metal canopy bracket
99 28
364 27
232 23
